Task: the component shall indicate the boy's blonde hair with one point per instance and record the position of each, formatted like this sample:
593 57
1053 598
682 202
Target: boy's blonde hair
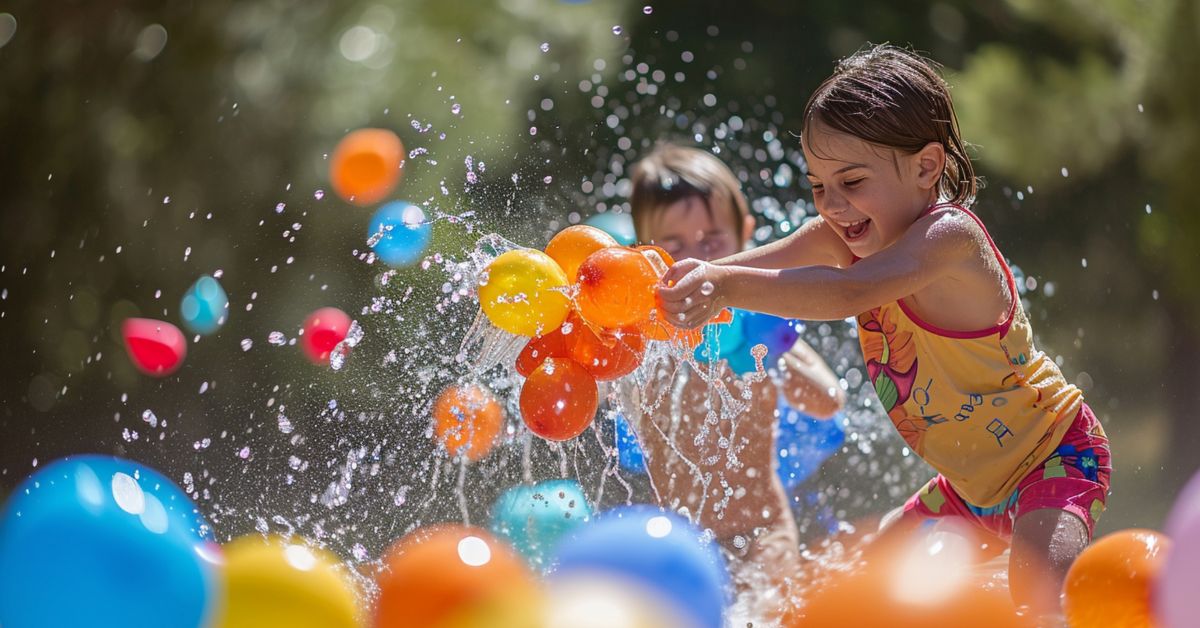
671 173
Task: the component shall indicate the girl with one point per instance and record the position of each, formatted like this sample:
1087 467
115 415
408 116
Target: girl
946 342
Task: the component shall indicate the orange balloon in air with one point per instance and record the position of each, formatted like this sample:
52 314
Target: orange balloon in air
366 166
559 399
455 576
467 420
574 244
605 353
616 288
551 345
1111 582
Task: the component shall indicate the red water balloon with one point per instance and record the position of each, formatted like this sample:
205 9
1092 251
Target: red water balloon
551 345
323 330
605 353
559 399
155 347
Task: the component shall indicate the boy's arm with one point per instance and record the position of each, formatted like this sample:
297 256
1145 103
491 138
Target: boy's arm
808 383
813 244
932 249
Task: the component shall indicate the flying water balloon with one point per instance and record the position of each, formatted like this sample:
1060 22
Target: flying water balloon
156 348
467 420
399 234
323 330
533 518
366 166
205 306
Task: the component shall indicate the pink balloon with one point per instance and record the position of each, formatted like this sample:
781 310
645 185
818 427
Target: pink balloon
1186 508
1176 602
323 330
155 347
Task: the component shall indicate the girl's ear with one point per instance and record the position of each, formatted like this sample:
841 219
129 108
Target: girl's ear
747 228
930 161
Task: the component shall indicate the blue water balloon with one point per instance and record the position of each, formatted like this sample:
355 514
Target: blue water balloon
104 542
734 340
629 451
399 234
204 306
534 518
658 552
803 443
722 340
619 226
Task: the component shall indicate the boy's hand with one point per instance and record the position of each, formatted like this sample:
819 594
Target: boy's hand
691 292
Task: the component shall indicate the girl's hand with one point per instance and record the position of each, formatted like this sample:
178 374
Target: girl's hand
691 292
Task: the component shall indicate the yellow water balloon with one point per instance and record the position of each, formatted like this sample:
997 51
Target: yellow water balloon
523 291
272 582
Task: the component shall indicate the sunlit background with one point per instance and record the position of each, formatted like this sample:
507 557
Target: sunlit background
146 144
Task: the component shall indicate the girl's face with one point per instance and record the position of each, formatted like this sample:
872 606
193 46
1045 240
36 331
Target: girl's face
686 228
869 194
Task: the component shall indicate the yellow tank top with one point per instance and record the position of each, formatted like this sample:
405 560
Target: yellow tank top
981 407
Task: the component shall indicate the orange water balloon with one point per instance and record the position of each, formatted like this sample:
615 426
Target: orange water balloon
559 399
551 345
1112 581
616 288
467 419
605 353
574 244
455 576
366 166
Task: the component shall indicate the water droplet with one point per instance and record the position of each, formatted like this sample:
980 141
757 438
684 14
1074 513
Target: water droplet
616 30
246 344
148 416
547 179
707 288
279 207
244 453
276 338
455 108
285 424
545 47
647 9
319 194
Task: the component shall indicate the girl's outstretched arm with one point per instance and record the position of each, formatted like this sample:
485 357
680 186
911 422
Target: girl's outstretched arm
935 247
814 243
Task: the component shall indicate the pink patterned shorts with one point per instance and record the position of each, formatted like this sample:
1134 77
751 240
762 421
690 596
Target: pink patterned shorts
1074 479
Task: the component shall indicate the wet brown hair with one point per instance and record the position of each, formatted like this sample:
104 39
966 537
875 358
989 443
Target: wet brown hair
672 173
896 98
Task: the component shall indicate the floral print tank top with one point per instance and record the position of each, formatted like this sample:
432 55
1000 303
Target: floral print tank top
981 407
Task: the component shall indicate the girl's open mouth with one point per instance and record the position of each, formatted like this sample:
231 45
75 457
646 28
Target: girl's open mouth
856 230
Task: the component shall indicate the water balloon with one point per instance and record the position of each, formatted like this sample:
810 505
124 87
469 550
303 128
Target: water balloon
323 330
616 288
549 345
276 582
1112 581
101 541
606 354
205 306
619 226
399 234
156 348
366 165
455 576
533 518
654 551
559 399
522 292
572 245
466 420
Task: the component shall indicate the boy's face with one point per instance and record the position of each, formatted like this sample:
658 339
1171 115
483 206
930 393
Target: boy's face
686 228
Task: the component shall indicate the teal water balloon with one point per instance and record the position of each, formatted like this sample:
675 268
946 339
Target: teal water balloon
399 233
105 542
533 518
619 226
204 306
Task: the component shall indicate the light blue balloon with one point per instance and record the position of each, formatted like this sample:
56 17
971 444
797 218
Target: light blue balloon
619 226
629 451
659 551
722 340
104 542
403 235
534 518
204 306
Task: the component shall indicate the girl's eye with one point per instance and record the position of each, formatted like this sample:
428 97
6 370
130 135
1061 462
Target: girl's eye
853 183
818 188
